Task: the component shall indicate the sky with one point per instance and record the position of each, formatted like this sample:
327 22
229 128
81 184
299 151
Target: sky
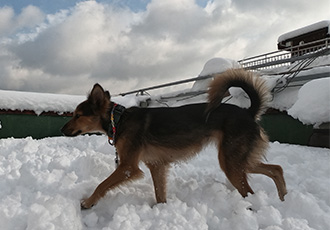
65 46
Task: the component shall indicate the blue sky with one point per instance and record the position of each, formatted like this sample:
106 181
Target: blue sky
50 45
52 6
46 6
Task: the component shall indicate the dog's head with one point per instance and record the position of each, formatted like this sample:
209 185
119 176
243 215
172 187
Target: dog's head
88 116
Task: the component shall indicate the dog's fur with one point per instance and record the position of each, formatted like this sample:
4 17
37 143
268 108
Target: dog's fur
160 136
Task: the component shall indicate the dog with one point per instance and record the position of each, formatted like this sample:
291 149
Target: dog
161 136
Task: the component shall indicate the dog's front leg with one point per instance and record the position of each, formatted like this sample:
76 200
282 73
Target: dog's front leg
124 173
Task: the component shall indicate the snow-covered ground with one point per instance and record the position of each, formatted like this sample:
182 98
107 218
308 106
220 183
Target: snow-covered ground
42 182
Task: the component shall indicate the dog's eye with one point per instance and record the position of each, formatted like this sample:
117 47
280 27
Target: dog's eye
77 116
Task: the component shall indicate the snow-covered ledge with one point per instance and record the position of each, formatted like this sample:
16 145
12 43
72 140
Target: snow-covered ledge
38 102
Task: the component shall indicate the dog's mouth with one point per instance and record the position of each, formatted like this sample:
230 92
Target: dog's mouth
77 133
71 133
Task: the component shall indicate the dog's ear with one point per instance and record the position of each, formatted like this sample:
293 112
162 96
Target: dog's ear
97 95
107 94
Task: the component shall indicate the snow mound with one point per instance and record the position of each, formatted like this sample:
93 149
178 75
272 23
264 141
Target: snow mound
313 102
218 65
42 182
212 66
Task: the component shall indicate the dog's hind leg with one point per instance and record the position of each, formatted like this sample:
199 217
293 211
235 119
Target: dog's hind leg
235 172
273 171
159 176
124 173
238 178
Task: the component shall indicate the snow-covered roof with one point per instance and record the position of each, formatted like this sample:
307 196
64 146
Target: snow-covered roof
304 30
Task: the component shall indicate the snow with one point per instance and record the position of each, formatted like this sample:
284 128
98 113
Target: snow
285 100
42 182
315 94
212 66
46 102
218 65
304 30
38 102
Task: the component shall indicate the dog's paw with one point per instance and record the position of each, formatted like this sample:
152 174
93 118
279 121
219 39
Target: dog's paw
85 204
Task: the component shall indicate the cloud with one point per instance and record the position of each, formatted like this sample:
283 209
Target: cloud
69 51
28 18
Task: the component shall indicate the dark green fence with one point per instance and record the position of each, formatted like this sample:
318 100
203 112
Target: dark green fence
279 126
24 125
285 129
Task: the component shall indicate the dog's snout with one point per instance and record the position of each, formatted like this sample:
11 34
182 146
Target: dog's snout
64 131
67 131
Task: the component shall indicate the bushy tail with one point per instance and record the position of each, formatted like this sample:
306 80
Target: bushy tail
254 86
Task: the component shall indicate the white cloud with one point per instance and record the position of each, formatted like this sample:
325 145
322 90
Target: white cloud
28 18
6 15
93 42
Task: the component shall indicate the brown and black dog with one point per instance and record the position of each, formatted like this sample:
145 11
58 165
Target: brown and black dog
160 136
